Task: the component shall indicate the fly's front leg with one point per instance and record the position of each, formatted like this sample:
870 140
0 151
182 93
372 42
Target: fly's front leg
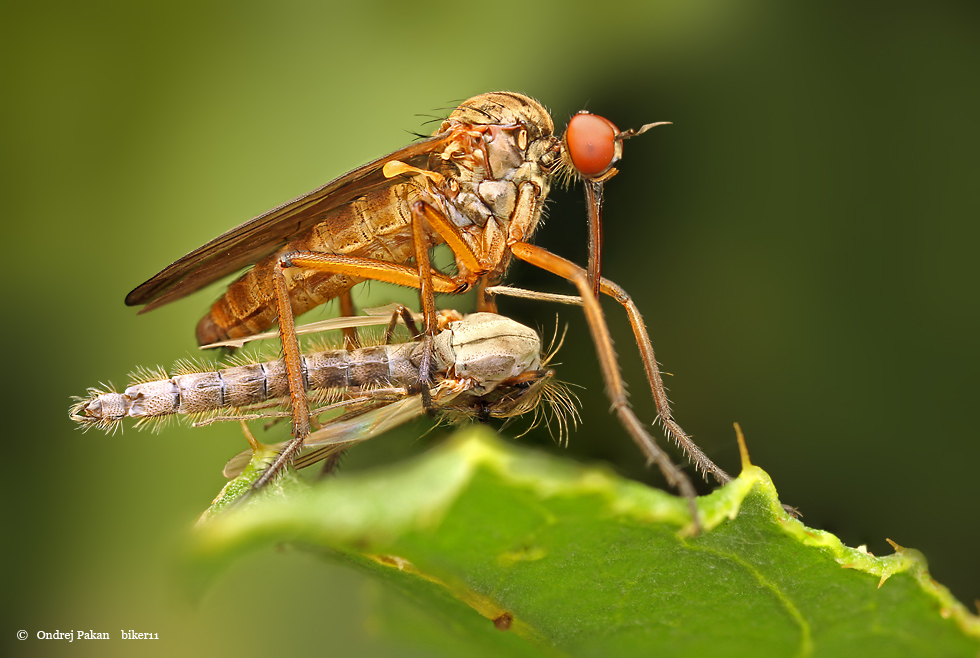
700 460
561 267
610 366
424 214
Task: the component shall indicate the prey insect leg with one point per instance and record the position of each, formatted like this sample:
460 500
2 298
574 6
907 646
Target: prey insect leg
407 317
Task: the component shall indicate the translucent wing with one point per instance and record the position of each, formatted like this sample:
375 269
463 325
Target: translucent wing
343 432
367 425
375 317
263 235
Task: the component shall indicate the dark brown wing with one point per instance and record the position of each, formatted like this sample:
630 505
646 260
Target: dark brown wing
263 235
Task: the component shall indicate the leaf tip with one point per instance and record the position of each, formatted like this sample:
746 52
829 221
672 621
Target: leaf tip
898 549
743 448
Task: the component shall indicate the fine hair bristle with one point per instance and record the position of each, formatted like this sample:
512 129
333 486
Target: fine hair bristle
565 172
143 375
155 424
85 422
554 345
562 406
192 367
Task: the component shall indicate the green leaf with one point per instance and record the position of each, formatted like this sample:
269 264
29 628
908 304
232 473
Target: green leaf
502 549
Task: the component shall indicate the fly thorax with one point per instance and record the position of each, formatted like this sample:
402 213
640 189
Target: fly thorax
499 142
484 167
488 349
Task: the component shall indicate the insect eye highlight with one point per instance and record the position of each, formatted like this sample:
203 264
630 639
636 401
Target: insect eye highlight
590 141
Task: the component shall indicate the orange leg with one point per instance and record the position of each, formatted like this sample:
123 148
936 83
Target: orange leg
294 373
347 310
428 301
567 270
484 302
368 268
423 278
613 378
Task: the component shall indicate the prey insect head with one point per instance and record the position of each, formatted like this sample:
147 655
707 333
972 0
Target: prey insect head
516 396
489 349
535 392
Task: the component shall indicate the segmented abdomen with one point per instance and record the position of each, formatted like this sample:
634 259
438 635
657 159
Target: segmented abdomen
247 385
377 225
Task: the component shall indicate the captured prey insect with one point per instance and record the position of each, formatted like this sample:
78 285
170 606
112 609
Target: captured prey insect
478 185
486 366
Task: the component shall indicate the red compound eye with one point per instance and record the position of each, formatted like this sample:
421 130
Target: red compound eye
591 143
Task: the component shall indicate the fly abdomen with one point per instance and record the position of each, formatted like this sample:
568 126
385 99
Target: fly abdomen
375 226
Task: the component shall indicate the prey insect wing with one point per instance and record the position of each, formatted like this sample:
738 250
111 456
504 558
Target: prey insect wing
344 432
374 317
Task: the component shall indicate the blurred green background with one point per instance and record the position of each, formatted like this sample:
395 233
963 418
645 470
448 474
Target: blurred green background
802 242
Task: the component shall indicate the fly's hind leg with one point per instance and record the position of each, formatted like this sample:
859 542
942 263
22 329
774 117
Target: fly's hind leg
294 374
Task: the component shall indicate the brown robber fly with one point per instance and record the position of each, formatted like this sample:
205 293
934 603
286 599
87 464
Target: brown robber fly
478 185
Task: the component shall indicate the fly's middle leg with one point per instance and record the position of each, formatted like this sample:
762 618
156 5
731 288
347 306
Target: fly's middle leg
428 302
361 267
424 217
